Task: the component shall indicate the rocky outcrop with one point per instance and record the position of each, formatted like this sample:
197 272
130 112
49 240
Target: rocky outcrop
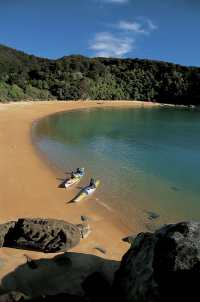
161 266
44 235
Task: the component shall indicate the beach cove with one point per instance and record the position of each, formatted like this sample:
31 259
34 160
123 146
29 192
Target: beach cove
30 187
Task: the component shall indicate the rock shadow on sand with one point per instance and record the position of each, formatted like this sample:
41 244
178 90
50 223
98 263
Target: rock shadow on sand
65 273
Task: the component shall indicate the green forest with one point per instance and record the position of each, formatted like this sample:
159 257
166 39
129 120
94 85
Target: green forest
27 77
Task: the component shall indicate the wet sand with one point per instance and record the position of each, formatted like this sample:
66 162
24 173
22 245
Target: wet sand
29 188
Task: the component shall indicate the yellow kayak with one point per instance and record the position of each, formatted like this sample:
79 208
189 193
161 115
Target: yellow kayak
86 192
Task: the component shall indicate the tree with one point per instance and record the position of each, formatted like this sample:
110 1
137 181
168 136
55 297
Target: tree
16 93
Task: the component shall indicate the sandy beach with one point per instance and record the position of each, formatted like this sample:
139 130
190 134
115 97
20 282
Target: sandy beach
29 188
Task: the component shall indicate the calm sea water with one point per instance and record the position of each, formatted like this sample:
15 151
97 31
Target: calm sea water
147 159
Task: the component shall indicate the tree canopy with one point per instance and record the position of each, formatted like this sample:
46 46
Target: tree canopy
26 77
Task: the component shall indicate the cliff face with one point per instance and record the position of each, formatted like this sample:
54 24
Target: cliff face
28 77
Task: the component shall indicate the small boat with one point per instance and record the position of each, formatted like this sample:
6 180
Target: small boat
77 177
88 190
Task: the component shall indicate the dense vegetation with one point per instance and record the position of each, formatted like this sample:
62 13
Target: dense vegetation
26 77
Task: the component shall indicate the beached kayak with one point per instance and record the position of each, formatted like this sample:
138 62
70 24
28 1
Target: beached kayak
86 192
77 177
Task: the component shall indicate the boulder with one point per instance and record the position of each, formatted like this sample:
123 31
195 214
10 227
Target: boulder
4 228
161 266
44 235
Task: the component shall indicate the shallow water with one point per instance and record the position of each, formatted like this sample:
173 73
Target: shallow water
147 159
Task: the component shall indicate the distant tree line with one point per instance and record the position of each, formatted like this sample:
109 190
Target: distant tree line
26 77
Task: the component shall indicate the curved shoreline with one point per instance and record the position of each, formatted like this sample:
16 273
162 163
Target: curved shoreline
29 187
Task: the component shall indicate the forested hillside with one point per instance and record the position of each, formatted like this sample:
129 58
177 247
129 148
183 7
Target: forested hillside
28 77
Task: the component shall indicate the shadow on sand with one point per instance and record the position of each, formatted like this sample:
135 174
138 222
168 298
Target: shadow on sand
65 273
63 181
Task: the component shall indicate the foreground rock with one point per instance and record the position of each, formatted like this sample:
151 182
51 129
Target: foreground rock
164 266
44 235
19 297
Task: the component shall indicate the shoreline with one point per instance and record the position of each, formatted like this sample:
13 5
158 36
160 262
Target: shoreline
29 186
105 102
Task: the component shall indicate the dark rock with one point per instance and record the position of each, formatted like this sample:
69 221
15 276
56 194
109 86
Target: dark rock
96 288
6 298
4 228
161 266
152 215
18 297
12 297
130 239
44 235
84 218
175 189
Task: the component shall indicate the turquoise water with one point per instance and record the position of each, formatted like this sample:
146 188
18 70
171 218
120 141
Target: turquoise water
147 159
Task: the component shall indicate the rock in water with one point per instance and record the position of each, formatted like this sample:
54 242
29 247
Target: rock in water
152 215
161 266
44 235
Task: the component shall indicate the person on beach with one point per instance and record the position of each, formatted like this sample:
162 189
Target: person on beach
72 175
79 171
92 183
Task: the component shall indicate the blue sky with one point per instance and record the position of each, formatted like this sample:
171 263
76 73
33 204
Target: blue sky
166 30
